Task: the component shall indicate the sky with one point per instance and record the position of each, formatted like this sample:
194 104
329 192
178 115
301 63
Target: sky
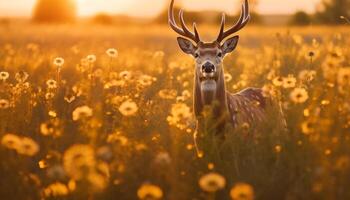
150 8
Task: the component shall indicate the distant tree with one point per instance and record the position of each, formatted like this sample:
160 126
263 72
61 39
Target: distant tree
103 18
301 18
162 18
330 11
209 17
55 11
255 16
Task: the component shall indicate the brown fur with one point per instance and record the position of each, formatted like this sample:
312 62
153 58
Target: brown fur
245 107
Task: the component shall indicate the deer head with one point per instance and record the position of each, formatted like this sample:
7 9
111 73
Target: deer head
209 73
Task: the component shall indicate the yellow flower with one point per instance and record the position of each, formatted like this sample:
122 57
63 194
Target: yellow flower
52 113
186 94
212 182
21 76
149 191
28 147
4 104
308 127
180 110
278 81
180 115
51 84
49 95
79 160
228 77
24 146
269 91
289 82
81 113
69 98
11 141
59 62
4 76
125 75
146 80
117 100
97 180
307 75
242 191
128 108
55 190
113 53
299 95
114 83
167 94
78 91
91 58
117 138
51 128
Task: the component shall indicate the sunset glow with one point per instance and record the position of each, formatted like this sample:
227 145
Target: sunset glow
174 99
146 8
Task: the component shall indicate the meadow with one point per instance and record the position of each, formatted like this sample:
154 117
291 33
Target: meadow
101 112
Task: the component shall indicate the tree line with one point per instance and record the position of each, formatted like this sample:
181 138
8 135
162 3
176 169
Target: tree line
327 12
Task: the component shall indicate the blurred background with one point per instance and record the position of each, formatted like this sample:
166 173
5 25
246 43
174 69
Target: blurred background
96 102
265 12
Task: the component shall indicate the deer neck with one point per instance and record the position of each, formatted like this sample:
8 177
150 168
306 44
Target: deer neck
215 101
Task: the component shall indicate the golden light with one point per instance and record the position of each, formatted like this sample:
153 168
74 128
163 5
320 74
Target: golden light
128 7
150 8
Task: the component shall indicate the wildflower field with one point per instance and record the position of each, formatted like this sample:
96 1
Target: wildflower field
100 112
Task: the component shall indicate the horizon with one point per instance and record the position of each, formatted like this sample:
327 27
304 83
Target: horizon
142 8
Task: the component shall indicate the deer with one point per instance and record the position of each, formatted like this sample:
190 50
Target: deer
247 107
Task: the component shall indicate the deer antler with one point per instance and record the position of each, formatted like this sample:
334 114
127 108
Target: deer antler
184 31
243 20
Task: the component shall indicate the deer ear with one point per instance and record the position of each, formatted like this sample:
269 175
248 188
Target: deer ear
186 45
230 45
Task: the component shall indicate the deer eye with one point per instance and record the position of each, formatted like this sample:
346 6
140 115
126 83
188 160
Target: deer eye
196 55
219 54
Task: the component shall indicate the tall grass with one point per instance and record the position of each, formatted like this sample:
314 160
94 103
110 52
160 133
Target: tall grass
122 127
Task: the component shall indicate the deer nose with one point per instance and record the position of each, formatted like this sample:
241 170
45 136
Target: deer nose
208 67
